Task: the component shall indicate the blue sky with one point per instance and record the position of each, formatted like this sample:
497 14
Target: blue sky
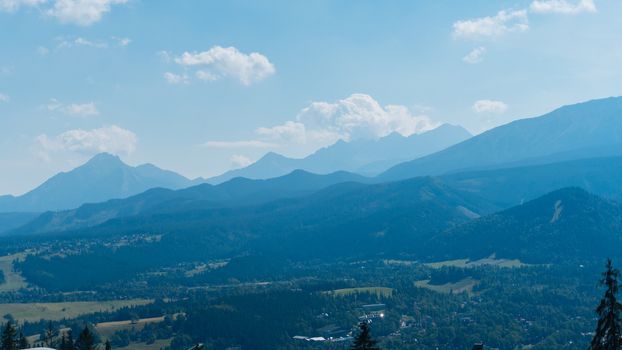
200 86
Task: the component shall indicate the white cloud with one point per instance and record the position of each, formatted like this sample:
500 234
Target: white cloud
239 144
240 161
219 62
562 6
489 106
122 41
76 109
111 139
360 116
73 42
64 43
475 56
490 27
205 75
81 12
165 56
4 98
173 78
323 123
290 131
14 5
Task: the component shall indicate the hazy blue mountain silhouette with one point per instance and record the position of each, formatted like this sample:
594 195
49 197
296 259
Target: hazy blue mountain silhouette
366 157
102 178
569 224
237 192
584 130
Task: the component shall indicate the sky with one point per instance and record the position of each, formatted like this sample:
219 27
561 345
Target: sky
201 87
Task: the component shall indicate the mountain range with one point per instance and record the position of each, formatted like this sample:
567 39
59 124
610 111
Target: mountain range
584 130
569 224
102 178
363 156
518 162
239 192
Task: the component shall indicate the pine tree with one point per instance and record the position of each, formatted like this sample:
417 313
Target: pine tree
608 335
50 336
363 340
85 341
66 341
108 346
22 341
8 339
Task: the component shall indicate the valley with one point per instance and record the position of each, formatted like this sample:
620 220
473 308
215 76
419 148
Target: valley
434 252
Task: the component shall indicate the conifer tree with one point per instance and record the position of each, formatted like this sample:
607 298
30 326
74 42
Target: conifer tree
8 339
363 340
108 346
86 340
62 345
22 341
608 335
50 336
66 341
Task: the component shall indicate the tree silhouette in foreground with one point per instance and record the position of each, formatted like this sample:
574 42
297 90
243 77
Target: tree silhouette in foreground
363 340
8 339
86 340
608 330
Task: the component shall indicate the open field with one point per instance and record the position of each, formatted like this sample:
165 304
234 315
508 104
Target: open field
464 285
107 329
157 345
14 281
57 311
379 291
463 263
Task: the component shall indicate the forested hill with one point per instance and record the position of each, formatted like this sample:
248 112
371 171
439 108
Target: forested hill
566 225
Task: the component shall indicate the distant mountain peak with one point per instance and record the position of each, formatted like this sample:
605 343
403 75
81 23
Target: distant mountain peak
367 157
104 158
272 155
105 176
583 130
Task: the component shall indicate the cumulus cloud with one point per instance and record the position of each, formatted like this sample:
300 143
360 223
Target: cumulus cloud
489 106
173 78
81 12
361 116
358 116
290 131
562 6
475 56
492 26
111 139
240 161
4 98
221 62
14 5
76 109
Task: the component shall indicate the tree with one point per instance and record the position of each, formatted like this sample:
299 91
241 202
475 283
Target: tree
22 341
8 339
66 341
50 336
608 334
363 340
108 346
86 340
